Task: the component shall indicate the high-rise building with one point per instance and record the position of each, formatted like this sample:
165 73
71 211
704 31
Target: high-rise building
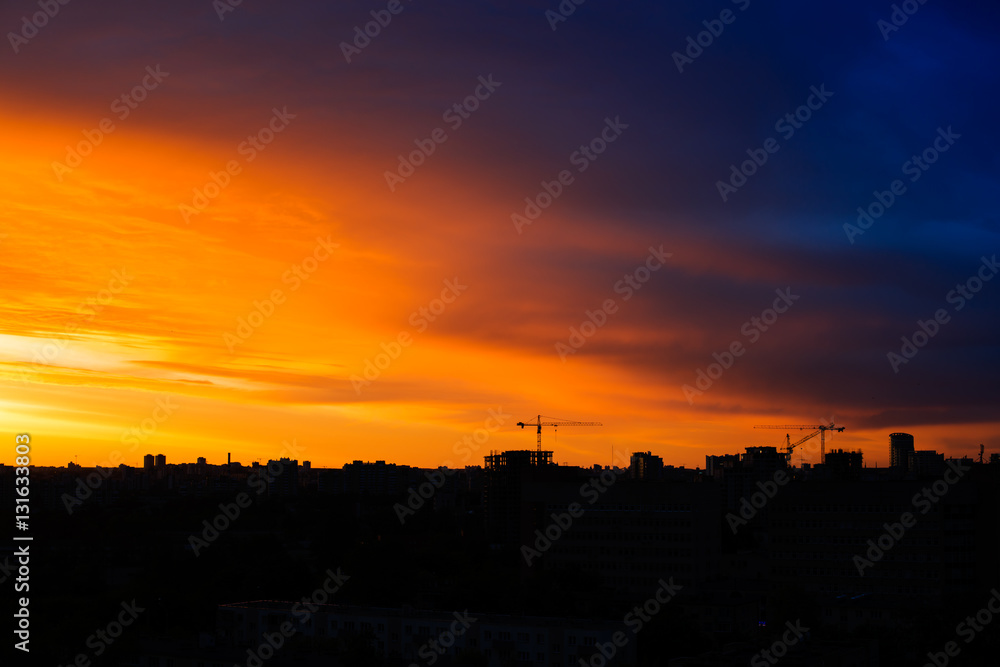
819 541
373 479
738 475
161 460
925 463
285 481
845 464
644 465
635 532
506 475
900 446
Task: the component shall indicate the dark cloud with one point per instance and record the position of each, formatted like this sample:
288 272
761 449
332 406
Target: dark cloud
656 184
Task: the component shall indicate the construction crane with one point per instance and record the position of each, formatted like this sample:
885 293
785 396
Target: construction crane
555 423
819 429
790 446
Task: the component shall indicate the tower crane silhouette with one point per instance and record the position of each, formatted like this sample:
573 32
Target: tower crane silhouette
819 429
556 423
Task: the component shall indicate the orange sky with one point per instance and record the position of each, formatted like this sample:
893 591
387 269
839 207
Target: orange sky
118 303
179 288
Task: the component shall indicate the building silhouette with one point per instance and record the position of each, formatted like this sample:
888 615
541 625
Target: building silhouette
285 482
844 465
506 507
402 636
644 465
900 446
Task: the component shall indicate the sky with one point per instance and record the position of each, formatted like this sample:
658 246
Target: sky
257 230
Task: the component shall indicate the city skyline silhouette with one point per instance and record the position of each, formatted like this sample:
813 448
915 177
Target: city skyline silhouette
552 333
